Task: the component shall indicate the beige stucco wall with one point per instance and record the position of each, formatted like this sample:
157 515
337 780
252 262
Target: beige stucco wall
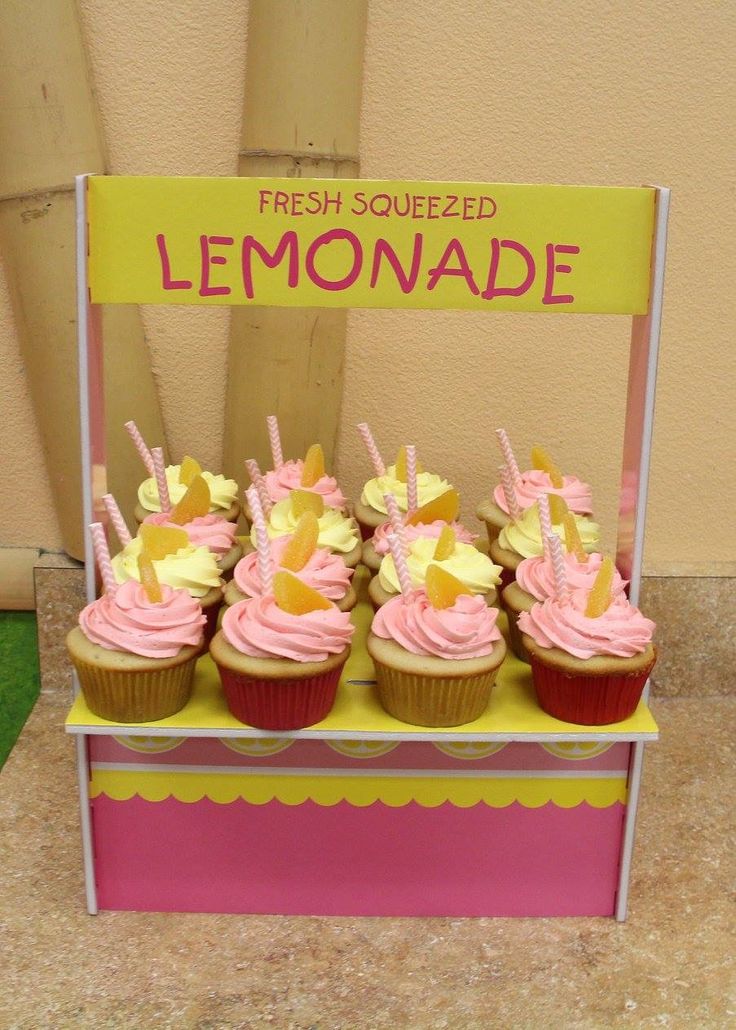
577 91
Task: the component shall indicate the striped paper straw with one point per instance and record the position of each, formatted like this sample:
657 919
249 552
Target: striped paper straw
159 469
116 517
394 517
545 523
411 477
265 565
509 492
102 557
275 440
508 455
140 446
259 482
370 445
558 564
399 557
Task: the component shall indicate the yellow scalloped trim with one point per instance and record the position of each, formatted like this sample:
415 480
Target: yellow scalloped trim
359 791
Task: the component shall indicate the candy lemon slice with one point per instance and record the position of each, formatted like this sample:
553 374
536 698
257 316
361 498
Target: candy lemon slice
446 508
149 579
194 503
443 589
314 465
188 469
159 541
557 509
542 461
599 597
445 544
295 597
573 543
301 545
305 500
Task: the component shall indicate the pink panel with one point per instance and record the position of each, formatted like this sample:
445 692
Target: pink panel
310 860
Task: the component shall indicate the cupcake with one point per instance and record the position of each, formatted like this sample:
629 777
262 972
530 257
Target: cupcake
135 654
370 511
319 568
436 652
535 580
337 532
204 530
280 655
466 563
543 478
223 492
310 475
179 564
522 538
591 653
427 521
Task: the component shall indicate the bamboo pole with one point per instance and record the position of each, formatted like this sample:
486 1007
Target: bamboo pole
301 118
49 132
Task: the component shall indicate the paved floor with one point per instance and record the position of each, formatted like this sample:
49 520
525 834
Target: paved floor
672 964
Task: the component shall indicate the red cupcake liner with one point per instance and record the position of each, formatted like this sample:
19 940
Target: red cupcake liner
508 576
587 700
210 627
270 704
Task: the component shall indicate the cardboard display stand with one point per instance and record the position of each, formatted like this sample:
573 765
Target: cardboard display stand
514 814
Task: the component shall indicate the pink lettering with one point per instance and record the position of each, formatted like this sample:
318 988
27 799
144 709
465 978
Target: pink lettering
205 289
491 289
167 282
384 249
322 241
453 248
287 242
548 296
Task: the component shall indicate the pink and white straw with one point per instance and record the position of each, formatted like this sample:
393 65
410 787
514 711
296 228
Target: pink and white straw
508 455
545 523
159 469
395 517
140 446
509 492
399 557
275 440
411 478
263 546
370 445
102 557
558 565
259 482
117 520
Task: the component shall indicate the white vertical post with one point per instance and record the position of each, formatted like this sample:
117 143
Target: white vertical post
643 358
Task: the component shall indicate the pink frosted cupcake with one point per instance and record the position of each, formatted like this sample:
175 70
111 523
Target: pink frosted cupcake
280 655
210 531
590 653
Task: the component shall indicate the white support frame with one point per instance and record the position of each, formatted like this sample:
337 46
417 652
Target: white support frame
643 358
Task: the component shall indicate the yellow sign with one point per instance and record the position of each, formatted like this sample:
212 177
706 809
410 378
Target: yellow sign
361 243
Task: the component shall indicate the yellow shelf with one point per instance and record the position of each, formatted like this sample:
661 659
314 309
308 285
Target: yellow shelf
512 713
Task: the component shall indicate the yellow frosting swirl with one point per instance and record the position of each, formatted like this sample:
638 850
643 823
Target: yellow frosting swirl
190 568
466 563
524 536
336 532
223 492
429 486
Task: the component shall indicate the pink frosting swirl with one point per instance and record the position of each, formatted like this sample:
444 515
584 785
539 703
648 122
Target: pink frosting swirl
537 575
423 529
127 621
621 631
280 483
577 494
210 531
465 630
325 572
259 628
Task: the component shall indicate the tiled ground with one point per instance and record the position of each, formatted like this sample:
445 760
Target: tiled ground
670 966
